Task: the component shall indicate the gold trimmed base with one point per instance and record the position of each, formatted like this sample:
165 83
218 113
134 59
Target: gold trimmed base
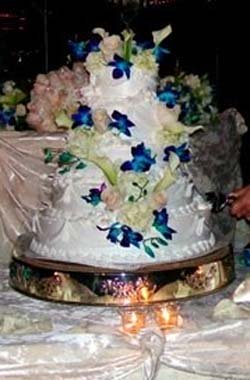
80 284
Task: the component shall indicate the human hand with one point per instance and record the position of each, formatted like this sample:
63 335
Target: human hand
240 203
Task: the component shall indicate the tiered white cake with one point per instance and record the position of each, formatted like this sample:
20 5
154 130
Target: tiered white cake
122 196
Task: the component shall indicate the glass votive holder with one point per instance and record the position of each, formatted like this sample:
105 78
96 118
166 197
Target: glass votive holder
132 319
167 316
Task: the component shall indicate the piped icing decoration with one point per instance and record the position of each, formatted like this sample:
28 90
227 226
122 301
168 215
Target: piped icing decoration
142 159
121 123
94 196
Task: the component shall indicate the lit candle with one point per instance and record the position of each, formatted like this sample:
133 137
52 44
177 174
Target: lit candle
133 320
167 316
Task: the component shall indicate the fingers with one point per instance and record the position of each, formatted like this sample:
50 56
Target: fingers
240 205
240 192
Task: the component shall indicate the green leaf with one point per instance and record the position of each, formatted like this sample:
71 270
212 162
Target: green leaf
131 198
154 244
149 251
66 169
66 158
162 241
81 165
49 155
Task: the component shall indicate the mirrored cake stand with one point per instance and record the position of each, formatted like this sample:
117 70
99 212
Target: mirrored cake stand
80 284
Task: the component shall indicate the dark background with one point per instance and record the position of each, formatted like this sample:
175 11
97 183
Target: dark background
209 36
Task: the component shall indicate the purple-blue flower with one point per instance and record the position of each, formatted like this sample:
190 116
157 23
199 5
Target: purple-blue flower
121 123
7 117
141 161
121 67
93 44
182 152
94 196
159 52
83 117
78 50
160 223
169 96
122 235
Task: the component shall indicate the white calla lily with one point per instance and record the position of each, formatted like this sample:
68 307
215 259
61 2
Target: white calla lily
160 35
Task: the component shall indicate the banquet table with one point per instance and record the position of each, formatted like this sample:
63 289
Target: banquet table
44 340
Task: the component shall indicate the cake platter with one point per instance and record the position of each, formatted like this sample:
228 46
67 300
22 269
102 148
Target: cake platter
80 284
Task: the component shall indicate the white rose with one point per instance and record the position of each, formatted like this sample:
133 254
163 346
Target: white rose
101 120
111 45
111 198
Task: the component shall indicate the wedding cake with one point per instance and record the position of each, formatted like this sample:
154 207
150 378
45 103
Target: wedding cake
122 195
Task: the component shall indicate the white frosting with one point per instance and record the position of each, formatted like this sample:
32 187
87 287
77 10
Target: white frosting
68 230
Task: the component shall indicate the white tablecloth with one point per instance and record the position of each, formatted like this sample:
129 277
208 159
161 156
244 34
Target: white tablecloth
42 340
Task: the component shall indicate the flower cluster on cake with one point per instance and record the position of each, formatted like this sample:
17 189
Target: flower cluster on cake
122 194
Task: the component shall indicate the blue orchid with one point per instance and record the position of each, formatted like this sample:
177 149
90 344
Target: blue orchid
142 160
159 52
121 67
145 45
169 96
130 237
83 118
122 123
94 196
123 235
160 223
78 50
182 152
7 117
93 43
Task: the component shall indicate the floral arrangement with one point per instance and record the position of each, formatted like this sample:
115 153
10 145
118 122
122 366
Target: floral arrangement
193 94
55 96
13 110
120 52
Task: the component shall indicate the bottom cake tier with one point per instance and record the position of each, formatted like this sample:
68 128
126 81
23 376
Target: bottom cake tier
72 283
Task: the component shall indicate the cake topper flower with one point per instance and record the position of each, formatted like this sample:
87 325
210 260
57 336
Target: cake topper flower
141 161
121 123
78 50
120 52
121 67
